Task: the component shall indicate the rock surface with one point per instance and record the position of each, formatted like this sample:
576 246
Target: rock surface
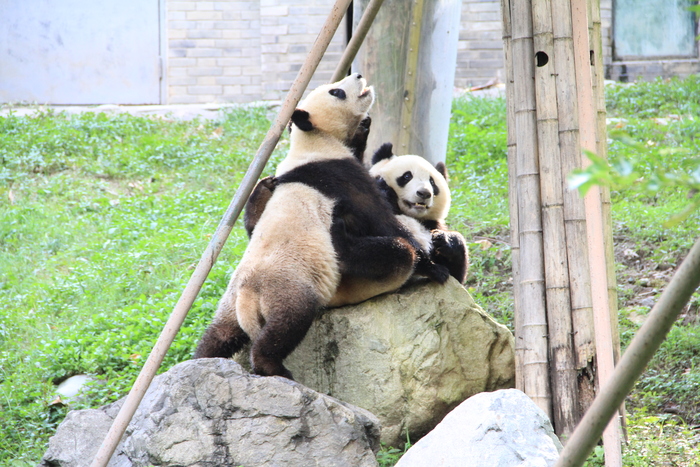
408 357
210 412
499 429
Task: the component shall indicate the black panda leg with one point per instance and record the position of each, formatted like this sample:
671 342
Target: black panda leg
221 339
377 257
282 333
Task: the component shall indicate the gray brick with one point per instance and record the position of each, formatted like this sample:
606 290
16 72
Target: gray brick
204 15
182 62
204 52
186 44
211 90
183 99
230 80
177 52
205 5
183 6
204 34
274 10
208 71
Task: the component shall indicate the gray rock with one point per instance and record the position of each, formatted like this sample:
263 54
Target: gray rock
212 413
408 357
499 429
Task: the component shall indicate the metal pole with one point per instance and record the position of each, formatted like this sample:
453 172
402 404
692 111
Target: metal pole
219 237
358 37
631 365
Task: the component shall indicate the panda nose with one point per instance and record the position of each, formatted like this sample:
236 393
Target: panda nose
359 76
423 194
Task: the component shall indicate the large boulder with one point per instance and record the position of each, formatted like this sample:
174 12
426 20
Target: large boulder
211 412
408 357
499 429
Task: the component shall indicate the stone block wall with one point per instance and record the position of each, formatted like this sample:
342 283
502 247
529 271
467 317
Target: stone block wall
242 50
480 57
247 50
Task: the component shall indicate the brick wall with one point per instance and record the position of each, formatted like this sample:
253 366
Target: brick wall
480 49
248 50
242 50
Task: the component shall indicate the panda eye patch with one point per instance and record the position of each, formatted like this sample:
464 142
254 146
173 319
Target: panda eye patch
436 190
404 179
339 93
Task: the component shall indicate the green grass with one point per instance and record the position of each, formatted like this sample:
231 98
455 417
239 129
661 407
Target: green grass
102 219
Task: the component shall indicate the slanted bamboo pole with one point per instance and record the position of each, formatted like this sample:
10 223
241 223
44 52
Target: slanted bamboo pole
533 326
565 410
358 37
594 225
512 192
647 341
155 358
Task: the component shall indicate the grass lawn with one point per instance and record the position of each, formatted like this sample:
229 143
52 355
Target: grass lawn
103 217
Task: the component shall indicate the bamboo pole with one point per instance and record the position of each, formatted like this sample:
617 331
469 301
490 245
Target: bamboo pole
512 192
574 213
155 358
358 37
596 41
534 357
410 87
594 225
642 348
565 410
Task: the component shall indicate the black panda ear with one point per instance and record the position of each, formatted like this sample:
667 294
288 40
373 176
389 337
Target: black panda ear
385 151
301 120
440 166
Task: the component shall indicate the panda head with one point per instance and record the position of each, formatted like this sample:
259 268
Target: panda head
421 190
333 110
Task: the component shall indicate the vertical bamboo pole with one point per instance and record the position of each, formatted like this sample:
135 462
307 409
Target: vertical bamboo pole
574 213
594 224
565 410
512 192
535 363
596 42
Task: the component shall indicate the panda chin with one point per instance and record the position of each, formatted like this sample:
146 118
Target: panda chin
415 209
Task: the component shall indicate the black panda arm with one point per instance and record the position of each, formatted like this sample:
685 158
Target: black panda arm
450 250
385 151
257 201
358 142
389 194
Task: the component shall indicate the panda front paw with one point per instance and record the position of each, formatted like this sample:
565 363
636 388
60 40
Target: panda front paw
438 273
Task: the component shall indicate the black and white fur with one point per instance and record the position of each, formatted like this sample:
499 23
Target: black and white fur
318 230
420 191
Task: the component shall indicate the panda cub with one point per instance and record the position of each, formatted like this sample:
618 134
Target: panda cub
318 227
418 190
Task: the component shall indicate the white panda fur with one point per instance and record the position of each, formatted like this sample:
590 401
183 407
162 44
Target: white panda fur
319 231
419 191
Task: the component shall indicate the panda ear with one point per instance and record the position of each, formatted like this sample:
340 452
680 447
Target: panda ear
440 166
385 151
301 119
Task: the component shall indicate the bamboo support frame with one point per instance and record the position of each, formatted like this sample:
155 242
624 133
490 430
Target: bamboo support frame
594 225
563 377
219 237
358 37
512 192
632 363
533 325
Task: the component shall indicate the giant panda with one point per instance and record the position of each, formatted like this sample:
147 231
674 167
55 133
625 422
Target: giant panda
321 224
420 191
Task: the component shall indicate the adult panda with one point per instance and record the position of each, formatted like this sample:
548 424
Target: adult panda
321 226
420 191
